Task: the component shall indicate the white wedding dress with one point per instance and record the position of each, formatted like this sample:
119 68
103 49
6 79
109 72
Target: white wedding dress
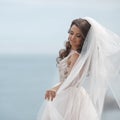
82 93
72 103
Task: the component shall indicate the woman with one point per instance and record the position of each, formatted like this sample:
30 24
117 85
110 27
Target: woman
86 68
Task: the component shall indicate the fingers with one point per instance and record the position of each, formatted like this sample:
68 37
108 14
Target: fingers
53 94
47 95
50 95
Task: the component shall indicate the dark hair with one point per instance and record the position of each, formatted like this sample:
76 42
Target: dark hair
84 26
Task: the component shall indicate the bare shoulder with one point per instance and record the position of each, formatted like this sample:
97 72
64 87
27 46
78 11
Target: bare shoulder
74 57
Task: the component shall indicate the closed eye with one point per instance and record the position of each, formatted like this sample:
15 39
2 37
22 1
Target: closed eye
70 32
79 36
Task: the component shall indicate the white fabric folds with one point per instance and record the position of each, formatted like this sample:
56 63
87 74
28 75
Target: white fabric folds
96 69
100 62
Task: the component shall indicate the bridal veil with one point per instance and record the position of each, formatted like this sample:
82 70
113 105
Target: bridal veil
98 66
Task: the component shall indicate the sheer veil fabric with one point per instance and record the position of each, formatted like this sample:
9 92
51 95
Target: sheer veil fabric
99 61
98 66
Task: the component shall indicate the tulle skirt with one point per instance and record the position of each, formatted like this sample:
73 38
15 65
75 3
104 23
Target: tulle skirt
71 104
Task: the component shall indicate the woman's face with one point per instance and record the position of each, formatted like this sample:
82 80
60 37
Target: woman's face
75 37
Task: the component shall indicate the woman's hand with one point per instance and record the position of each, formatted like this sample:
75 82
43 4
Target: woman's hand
50 94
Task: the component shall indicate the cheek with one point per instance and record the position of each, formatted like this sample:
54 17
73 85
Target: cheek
69 37
78 41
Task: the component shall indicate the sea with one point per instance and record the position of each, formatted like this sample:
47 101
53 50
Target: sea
23 82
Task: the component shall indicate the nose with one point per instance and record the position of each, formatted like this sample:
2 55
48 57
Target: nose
72 37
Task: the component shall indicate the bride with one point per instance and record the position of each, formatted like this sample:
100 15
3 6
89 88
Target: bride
88 66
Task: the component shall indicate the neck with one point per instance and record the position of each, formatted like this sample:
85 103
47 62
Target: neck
74 48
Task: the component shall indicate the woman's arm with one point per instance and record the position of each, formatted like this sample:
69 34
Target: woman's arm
50 94
55 88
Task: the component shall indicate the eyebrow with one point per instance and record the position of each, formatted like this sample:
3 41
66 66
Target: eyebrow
79 33
76 33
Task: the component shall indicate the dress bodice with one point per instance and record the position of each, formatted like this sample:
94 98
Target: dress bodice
64 67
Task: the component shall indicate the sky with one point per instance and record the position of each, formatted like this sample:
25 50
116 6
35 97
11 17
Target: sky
40 26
